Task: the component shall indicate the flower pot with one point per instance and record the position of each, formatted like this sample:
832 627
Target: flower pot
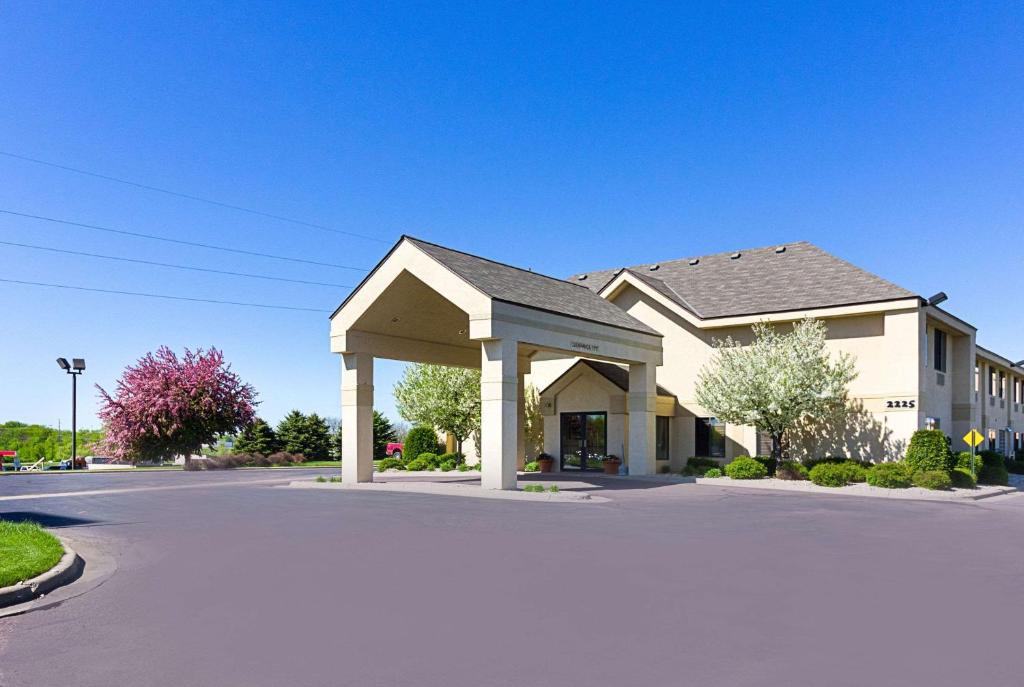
545 464
611 467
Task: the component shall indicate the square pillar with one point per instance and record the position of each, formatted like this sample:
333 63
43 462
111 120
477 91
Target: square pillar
499 416
520 419
641 404
356 417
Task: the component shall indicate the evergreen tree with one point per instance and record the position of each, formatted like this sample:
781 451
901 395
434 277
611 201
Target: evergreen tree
259 437
305 434
383 434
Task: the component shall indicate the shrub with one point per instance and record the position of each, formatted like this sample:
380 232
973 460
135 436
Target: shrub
464 468
992 469
837 474
285 458
812 463
698 466
929 451
746 467
390 464
532 466
769 464
963 462
962 479
889 476
1016 467
713 472
553 488
791 470
420 439
932 479
455 458
448 465
534 488
424 461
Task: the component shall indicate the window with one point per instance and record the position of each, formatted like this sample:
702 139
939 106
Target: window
1002 384
940 350
710 438
661 432
977 377
932 423
1016 390
991 381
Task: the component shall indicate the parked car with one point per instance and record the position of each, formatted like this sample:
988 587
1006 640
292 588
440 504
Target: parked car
394 449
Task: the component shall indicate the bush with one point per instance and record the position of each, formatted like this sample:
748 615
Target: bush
992 469
791 470
285 458
455 458
929 452
932 479
696 467
532 466
963 462
769 464
837 474
390 464
448 465
1016 467
713 472
889 476
746 467
424 461
534 488
420 439
812 463
962 479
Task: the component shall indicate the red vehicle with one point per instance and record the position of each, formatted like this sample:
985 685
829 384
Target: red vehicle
394 449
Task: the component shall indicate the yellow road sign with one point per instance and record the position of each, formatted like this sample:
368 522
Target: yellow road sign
973 438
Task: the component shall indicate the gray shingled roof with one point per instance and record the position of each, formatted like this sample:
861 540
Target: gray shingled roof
531 289
761 280
616 374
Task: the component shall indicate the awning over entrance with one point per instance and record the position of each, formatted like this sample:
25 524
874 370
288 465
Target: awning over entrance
427 303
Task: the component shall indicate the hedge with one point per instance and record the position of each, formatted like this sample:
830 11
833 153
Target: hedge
929 451
421 439
933 479
746 467
889 476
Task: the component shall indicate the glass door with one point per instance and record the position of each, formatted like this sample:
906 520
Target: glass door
584 441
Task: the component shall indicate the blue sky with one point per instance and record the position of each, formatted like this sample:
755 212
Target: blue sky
561 137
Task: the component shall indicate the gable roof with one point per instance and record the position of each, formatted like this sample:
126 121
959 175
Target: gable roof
796 276
616 374
515 285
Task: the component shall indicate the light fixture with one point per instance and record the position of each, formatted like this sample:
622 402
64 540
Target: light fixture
76 368
938 298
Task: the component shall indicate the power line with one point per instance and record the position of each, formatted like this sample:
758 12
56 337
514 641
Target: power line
159 295
172 266
188 196
182 242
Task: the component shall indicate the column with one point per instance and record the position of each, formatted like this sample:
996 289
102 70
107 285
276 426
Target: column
356 417
499 415
641 405
520 419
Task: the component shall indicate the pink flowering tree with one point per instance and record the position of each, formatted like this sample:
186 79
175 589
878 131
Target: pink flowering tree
167 406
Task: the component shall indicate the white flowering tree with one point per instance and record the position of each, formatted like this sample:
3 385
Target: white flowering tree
777 382
446 398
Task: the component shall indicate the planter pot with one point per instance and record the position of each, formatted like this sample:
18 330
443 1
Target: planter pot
545 464
611 467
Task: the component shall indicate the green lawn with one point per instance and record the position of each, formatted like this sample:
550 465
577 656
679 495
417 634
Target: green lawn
26 550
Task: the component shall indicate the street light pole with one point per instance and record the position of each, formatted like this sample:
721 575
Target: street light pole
76 368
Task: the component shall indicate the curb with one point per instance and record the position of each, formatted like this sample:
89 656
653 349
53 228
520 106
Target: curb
897 494
453 489
68 569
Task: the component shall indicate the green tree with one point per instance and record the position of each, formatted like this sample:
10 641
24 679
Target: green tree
777 382
305 434
534 425
383 434
446 398
421 439
259 437
33 442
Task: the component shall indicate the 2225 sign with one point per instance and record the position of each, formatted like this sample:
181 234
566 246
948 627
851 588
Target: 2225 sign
901 404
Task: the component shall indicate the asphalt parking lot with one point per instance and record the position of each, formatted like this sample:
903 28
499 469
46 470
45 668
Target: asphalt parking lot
232 579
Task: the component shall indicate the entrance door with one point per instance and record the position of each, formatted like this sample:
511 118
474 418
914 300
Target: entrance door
584 440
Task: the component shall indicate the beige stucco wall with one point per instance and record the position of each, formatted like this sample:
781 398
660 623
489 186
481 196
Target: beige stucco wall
895 390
